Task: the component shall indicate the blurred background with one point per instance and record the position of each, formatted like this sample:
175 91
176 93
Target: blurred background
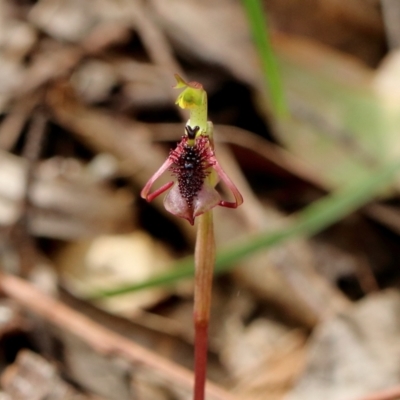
305 99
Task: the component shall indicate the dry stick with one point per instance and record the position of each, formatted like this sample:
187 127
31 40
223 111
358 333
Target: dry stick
20 231
154 40
11 127
96 336
156 44
49 67
31 151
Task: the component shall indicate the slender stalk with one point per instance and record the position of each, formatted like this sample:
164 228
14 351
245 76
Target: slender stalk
204 266
197 172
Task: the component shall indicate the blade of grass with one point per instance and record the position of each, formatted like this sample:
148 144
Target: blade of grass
272 77
312 219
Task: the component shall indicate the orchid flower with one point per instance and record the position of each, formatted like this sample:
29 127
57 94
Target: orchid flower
192 194
193 163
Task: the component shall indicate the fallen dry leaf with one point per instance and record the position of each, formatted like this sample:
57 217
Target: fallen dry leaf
110 262
354 353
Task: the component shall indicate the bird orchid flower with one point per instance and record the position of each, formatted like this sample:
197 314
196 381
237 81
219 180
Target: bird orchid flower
193 163
192 194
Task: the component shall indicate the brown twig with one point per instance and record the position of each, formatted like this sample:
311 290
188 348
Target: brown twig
19 232
49 67
11 127
156 44
31 151
387 394
101 339
154 40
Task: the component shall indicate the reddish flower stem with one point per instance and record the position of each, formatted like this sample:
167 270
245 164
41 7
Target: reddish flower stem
204 264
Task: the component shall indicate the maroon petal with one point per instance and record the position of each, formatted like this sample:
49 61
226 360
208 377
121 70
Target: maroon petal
206 199
231 186
177 205
145 193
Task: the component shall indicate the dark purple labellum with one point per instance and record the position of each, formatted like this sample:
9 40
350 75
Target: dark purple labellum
190 166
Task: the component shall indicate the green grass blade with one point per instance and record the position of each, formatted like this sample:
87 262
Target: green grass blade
312 219
272 76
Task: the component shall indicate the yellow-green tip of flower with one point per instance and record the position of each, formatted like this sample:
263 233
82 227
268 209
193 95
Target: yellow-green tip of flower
192 96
